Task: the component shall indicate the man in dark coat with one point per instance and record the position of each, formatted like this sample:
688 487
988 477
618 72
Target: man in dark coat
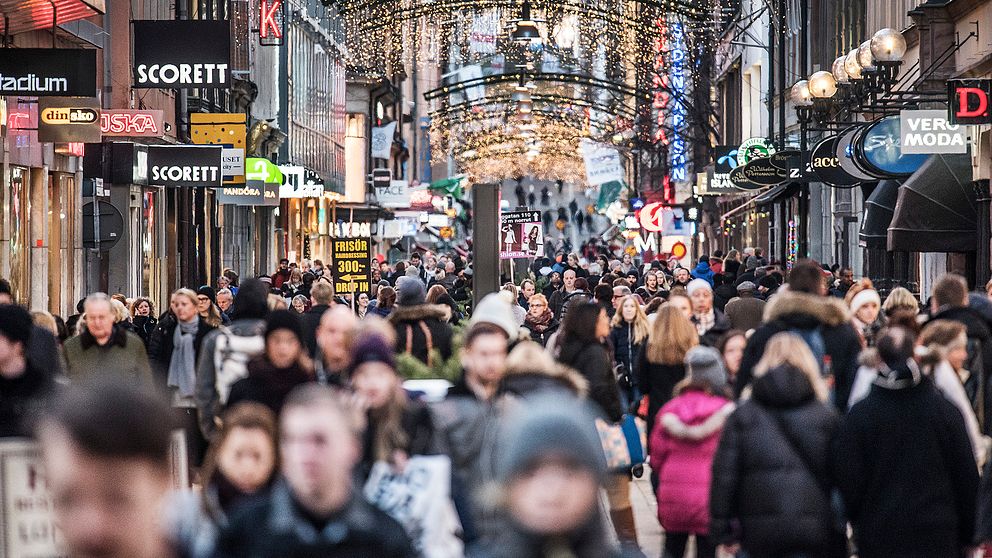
23 385
750 266
805 310
420 327
745 311
314 509
321 296
950 302
904 463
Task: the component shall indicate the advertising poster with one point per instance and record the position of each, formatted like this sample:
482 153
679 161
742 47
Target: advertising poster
521 235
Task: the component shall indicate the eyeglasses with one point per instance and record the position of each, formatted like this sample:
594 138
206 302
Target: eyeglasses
538 304
202 298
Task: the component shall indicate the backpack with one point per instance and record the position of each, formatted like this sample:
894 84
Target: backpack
231 355
813 337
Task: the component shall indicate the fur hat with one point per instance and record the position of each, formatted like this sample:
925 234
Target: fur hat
697 284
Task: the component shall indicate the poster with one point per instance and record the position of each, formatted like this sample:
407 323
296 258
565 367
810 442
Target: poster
521 235
27 522
352 265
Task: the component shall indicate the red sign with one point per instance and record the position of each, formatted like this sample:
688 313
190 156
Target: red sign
650 217
131 123
969 101
270 22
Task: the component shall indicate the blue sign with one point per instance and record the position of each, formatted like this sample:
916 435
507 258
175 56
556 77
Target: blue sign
881 145
679 149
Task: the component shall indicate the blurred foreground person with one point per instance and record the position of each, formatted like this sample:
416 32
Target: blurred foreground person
23 385
770 488
107 467
239 467
315 509
550 468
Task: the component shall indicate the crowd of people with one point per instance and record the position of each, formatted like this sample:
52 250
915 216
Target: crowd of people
786 413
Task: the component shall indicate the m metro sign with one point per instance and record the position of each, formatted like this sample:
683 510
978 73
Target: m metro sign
969 101
271 22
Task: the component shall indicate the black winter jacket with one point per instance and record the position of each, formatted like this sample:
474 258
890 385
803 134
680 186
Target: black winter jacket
979 333
21 398
267 384
764 494
161 344
657 381
410 323
594 363
311 320
905 467
625 350
801 311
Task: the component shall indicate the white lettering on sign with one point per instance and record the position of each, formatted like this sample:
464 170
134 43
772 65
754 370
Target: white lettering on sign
128 124
29 523
31 82
184 74
351 230
925 132
204 173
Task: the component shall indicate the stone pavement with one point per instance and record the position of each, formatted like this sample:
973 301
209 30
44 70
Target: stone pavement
649 534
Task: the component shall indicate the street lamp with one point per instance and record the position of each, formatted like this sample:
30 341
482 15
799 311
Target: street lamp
852 66
839 70
822 85
801 95
865 58
888 45
525 29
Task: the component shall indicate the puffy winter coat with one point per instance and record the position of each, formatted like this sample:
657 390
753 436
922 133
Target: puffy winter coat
764 494
685 437
421 328
703 271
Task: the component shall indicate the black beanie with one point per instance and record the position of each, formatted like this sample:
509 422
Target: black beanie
284 319
15 323
208 292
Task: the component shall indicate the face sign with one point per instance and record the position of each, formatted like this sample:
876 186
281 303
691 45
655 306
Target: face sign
318 453
105 507
247 458
99 319
299 306
573 260
363 300
528 290
283 348
183 307
847 277
537 307
569 277
553 498
651 281
682 275
376 382
485 358
868 312
733 353
702 301
142 309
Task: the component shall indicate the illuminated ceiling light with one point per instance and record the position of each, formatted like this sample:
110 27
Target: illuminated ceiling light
888 45
566 33
525 29
852 66
800 95
822 85
839 69
865 59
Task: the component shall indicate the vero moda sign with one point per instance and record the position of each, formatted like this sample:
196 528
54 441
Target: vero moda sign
185 165
182 54
45 72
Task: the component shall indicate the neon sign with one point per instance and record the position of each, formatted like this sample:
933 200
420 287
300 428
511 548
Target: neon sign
679 113
131 123
270 22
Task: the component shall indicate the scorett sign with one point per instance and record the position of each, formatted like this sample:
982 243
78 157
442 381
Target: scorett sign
184 165
43 72
182 54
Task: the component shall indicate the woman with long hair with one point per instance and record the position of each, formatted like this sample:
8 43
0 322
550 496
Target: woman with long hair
651 287
660 362
241 464
900 299
143 317
629 330
206 305
582 345
398 427
362 305
299 304
769 491
513 298
731 346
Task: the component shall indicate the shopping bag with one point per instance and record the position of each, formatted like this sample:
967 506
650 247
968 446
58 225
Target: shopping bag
623 442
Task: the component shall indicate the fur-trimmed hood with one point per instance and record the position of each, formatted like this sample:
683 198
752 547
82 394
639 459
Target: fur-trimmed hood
419 312
827 310
524 382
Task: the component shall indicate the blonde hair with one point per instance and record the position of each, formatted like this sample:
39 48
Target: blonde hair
900 298
940 337
790 349
120 311
671 337
277 302
45 320
861 285
538 297
640 319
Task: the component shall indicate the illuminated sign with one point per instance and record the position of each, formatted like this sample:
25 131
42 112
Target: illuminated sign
182 54
650 217
131 123
678 148
68 115
41 72
271 18
969 101
68 119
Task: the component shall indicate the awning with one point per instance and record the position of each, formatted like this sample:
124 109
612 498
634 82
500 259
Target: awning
879 207
776 193
27 15
936 208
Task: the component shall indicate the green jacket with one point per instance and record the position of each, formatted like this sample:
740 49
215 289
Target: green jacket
123 357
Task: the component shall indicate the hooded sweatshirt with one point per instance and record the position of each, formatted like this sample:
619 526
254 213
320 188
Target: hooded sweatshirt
703 272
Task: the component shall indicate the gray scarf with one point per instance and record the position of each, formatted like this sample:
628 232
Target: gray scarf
182 366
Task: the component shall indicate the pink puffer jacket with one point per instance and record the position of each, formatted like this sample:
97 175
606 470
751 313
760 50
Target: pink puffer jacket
685 436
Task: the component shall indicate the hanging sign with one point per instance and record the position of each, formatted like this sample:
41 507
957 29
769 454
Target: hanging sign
844 149
271 22
794 162
352 265
184 165
762 172
28 525
251 193
521 234
393 193
300 182
232 163
131 123
182 54
881 146
969 101
603 164
740 181
754 148
44 72
382 140
826 166
930 131
725 162
68 119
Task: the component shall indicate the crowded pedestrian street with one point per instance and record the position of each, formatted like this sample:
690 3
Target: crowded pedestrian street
502 279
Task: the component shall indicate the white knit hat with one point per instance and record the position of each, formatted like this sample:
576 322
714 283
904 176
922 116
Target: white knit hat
494 309
864 297
697 284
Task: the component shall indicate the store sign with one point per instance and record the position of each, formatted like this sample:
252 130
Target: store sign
44 72
351 265
271 22
300 182
184 165
754 148
741 182
881 145
28 525
762 172
182 54
826 165
970 101
258 168
844 149
232 162
930 131
521 235
132 123
393 193
251 193
68 119
794 162
603 163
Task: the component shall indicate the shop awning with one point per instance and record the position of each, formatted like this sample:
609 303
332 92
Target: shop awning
776 193
936 208
879 207
27 15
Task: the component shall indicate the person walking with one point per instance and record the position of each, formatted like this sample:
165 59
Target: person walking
770 493
540 321
24 387
143 320
687 431
321 298
421 328
661 361
104 348
745 311
628 333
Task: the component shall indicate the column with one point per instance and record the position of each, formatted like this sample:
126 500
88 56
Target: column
38 238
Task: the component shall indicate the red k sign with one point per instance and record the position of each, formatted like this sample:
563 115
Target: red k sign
270 22
969 101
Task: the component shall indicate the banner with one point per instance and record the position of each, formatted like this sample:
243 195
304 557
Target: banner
521 235
184 165
351 266
252 193
44 72
382 140
603 164
182 54
68 119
